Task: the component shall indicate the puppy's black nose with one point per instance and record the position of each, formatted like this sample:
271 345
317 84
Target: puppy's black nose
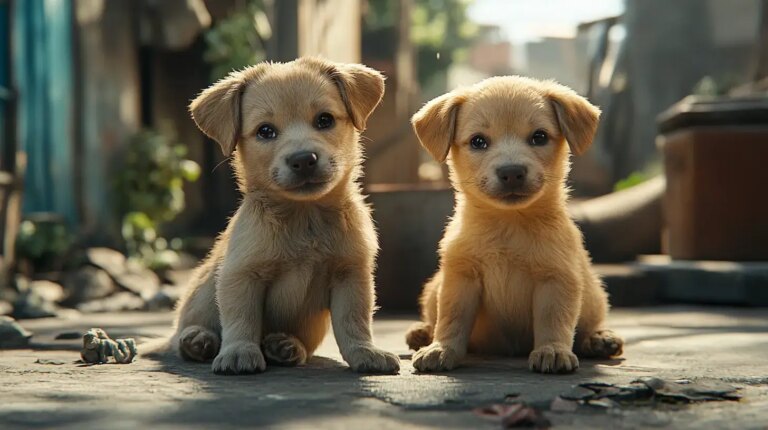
512 176
303 163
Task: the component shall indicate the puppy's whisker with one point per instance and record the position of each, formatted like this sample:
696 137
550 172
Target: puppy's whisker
226 159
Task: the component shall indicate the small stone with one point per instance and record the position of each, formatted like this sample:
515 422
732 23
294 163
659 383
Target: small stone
12 335
166 298
178 277
48 290
87 283
113 262
123 301
5 308
138 280
30 304
67 335
127 274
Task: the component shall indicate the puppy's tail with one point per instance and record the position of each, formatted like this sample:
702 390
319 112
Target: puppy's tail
158 349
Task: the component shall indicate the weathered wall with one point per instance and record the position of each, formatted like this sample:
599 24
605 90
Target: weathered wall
110 105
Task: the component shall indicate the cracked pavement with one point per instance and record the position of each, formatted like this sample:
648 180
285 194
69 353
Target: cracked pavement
697 343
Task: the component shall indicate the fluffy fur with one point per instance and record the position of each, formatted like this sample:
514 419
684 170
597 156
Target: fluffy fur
514 276
299 252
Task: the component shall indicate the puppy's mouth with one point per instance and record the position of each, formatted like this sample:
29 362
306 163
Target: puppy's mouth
307 186
513 197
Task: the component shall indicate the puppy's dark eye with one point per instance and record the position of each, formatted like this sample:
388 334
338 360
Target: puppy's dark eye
324 121
539 138
478 142
266 132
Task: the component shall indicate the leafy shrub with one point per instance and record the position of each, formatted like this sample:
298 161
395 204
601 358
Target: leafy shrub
150 192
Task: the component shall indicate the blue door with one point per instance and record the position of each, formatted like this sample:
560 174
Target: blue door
42 64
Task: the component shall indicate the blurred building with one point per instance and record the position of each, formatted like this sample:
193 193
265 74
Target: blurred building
563 59
491 53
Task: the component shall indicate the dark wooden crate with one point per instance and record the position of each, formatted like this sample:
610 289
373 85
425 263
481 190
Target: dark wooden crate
716 202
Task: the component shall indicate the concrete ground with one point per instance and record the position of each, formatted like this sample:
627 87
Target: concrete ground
729 345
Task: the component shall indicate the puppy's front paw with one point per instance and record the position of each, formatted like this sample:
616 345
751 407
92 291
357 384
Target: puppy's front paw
373 360
435 358
553 359
239 358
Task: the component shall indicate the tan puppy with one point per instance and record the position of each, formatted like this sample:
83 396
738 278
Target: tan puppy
300 250
514 276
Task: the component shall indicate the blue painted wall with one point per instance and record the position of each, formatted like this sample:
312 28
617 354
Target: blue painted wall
43 66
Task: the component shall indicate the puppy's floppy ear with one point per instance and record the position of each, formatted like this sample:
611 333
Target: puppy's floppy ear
217 110
578 118
361 88
435 124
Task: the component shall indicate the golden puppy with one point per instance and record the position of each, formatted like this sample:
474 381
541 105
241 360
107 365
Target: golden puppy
514 276
300 249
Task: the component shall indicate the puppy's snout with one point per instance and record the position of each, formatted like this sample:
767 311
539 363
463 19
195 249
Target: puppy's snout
512 176
303 164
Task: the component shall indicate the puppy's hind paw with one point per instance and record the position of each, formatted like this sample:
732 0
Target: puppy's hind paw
553 359
284 350
602 344
435 358
373 360
198 343
419 336
239 358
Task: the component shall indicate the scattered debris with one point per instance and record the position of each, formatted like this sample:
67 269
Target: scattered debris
644 390
605 402
98 347
598 395
690 391
559 404
50 361
67 335
514 415
12 335
577 392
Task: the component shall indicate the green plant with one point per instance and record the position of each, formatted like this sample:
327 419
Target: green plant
42 243
635 178
238 41
712 86
648 172
150 189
